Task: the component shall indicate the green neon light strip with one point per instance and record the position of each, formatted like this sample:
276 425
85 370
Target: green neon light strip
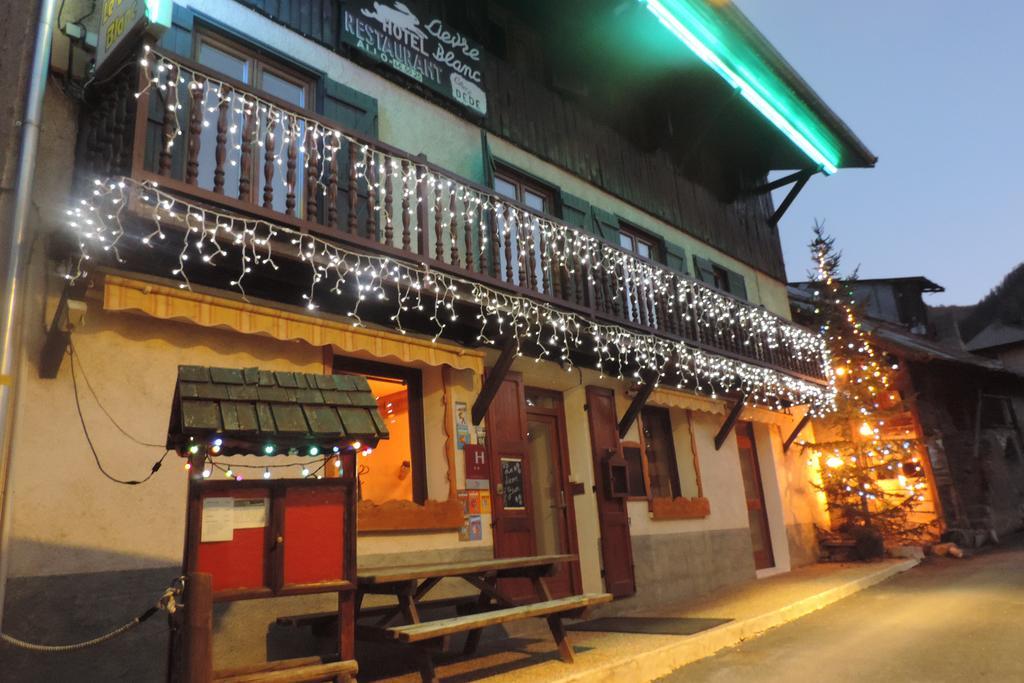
704 34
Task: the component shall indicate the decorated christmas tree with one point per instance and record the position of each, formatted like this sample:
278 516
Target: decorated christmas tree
871 471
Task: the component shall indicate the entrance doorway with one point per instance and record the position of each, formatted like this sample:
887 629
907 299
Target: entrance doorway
554 517
760 535
531 509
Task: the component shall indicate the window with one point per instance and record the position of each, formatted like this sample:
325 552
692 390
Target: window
721 276
652 468
639 243
395 469
523 189
261 73
539 198
663 472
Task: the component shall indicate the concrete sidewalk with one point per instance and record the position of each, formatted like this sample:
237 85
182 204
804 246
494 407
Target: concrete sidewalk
530 654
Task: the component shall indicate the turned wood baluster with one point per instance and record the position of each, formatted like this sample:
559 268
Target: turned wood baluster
530 255
353 190
195 130
438 233
245 162
221 153
389 203
169 128
371 197
332 184
481 231
268 162
291 133
312 172
524 252
506 229
453 228
406 210
547 279
467 223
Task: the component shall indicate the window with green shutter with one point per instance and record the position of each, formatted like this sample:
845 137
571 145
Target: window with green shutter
575 211
605 224
675 257
349 108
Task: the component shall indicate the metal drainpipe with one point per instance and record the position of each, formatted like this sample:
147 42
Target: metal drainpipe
11 329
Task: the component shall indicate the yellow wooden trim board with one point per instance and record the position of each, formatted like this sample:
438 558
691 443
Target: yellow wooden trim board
168 303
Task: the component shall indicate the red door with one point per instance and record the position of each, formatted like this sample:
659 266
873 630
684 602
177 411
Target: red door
613 518
760 536
511 497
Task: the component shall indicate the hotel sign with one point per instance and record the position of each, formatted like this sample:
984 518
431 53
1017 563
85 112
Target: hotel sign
123 21
419 46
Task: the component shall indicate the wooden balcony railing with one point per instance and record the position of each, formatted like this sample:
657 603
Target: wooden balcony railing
205 136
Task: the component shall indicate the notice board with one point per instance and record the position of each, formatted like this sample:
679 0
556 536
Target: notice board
259 538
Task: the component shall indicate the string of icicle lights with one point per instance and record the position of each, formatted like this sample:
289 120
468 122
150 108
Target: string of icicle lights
257 125
355 277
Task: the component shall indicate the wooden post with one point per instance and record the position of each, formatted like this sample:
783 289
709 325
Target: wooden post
199 628
494 379
730 422
796 431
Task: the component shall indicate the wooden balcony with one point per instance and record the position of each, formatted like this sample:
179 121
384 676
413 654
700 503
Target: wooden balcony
216 142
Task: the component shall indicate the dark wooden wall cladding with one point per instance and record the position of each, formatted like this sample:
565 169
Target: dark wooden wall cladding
549 125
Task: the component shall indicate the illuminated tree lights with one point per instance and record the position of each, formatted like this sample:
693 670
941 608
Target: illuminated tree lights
870 460
202 238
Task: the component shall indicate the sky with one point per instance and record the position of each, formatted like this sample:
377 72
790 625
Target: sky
933 88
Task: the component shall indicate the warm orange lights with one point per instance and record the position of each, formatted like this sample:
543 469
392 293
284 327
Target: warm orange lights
866 430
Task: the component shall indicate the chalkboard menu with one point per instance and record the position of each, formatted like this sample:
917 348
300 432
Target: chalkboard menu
418 45
512 482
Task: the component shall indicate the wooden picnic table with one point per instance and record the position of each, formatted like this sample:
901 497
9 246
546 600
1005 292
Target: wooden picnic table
411 584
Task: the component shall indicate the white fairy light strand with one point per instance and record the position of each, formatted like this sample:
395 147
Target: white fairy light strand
528 240
355 277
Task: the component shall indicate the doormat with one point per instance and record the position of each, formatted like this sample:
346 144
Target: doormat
667 626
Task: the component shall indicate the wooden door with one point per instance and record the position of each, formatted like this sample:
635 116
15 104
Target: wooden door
511 498
760 535
613 518
554 514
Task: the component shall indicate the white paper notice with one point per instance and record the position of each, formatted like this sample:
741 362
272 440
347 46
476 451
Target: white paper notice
250 513
218 520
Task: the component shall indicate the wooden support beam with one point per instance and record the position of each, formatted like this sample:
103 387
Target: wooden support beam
779 182
793 192
730 422
494 379
799 428
634 408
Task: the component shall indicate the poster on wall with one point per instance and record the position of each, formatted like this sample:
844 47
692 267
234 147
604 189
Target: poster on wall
462 437
412 41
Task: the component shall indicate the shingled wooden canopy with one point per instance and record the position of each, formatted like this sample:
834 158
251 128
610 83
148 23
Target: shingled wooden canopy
262 412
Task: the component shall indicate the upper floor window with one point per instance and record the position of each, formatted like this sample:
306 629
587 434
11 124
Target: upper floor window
261 73
640 243
524 189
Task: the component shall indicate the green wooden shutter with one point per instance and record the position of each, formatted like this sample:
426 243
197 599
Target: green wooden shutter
704 270
737 285
675 257
488 160
350 108
605 224
178 38
576 212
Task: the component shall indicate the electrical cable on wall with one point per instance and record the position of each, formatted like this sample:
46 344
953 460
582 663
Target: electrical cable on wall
85 430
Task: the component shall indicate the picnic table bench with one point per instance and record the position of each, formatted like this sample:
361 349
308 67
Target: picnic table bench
491 606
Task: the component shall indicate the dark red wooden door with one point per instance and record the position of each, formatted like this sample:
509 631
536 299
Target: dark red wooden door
511 497
613 518
760 536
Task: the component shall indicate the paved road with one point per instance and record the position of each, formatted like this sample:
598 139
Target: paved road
945 620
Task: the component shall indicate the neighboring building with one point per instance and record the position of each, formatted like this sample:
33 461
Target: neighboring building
1002 341
964 407
579 181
